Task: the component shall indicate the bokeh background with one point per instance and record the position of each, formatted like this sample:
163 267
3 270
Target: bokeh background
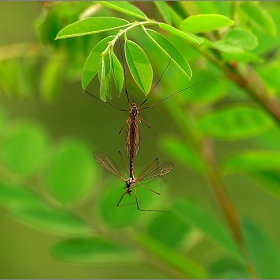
72 114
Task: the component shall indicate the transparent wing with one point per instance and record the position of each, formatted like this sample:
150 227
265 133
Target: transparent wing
154 170
132 137
106 162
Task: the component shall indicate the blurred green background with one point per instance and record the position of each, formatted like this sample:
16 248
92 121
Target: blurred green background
72 114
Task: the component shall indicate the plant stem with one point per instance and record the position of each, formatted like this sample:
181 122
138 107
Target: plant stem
225 203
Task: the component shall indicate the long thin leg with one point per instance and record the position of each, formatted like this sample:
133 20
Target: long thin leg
147 210
123 125
142 120
148 188
124 162
118 205
121 199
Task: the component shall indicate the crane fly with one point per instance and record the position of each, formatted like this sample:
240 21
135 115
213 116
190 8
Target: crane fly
154 170
132 142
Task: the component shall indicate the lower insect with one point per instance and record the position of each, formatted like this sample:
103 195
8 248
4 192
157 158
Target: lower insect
154 170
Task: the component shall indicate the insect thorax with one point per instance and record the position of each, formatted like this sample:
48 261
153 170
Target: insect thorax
129 184
134 110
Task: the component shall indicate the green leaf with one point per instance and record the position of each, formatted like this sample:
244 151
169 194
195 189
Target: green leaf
2 120
175 17
105 77
176 229
260 17
164 11
91 25
70 174
139 66
52 220
270 75
261 247
14 196
205 22
92 250
117 217
126 8
216 88
207 7
242 57
224 268
179 33
93 61
251 161
183 264
24 147
237 41
170 50
183 153
51 79
238 122
117 73
194 215
268 181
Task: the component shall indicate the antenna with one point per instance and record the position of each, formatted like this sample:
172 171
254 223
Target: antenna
103 101
169 96
158 79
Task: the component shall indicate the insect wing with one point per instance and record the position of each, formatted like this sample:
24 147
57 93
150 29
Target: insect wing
106 162
155 170
132 137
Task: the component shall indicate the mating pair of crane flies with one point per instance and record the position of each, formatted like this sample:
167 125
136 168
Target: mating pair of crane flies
155 169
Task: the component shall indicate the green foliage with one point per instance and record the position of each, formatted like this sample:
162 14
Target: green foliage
261 247
51 219
259 17
230 49
93 61
216 89
196 216
202 23
181 263
182 153
91 250
179 33
123 218
252 161
24 139
139 66
117 73
16 196
104 76
237 41
157 229
171 51
126 8
164 11
233 123
89 26
51 83
69 176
